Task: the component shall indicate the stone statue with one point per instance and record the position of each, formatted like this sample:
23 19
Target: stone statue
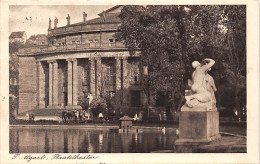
49 23
199 119
68 20
55 22
202 86
84 17
90 98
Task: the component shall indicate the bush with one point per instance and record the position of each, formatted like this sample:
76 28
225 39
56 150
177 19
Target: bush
98 105
84 103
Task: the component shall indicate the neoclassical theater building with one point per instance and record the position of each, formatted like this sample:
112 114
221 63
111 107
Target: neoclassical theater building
80 59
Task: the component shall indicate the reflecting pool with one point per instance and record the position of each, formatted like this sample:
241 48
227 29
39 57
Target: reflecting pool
87 140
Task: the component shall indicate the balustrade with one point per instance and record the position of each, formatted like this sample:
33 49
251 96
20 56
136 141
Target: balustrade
46 49
83 28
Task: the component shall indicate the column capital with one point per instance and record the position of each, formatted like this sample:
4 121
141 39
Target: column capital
71 59
94 58
121 57
98 58
118 58
51 61
96 54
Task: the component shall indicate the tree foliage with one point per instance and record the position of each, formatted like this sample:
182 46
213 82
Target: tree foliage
13 58
171 37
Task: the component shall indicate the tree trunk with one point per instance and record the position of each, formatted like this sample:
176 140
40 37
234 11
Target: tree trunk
148 101
237 103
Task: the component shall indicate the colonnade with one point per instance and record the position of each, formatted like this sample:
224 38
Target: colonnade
72 81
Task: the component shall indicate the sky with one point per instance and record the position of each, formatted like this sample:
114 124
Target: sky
37 21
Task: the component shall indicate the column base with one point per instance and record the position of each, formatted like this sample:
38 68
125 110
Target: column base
73 107
54 107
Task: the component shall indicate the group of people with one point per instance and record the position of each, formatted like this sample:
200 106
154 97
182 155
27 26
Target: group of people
74 115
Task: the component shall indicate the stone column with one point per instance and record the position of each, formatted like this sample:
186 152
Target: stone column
41 85
98 76
37 84
124 80
119 84
92 75
75 82
72 84
50 83
118 74
69 86
55 84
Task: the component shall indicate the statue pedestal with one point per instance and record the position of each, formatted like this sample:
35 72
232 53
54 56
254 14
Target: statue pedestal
198 127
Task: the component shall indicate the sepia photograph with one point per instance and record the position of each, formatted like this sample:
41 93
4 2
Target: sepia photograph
126 79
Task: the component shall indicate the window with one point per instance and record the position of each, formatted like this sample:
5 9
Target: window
160 99
135 74
135 99
85 76
110 74
135 78
111 41
13 81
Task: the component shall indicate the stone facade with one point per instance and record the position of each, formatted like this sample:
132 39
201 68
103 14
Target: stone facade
80 59
28 84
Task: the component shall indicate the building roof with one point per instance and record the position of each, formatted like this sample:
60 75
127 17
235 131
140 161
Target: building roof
18 34
34 37
105 17
110 9
111 18
126 118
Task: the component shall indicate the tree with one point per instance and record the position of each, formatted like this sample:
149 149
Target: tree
171 37
106 79
225 41
14 74
236 52
154 31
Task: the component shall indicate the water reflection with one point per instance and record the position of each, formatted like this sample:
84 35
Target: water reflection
37 140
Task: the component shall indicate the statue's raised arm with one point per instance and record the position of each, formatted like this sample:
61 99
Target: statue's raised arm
210 63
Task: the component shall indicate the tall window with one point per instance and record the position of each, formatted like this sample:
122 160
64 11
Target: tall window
135 98
135 74
110 74
85 75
